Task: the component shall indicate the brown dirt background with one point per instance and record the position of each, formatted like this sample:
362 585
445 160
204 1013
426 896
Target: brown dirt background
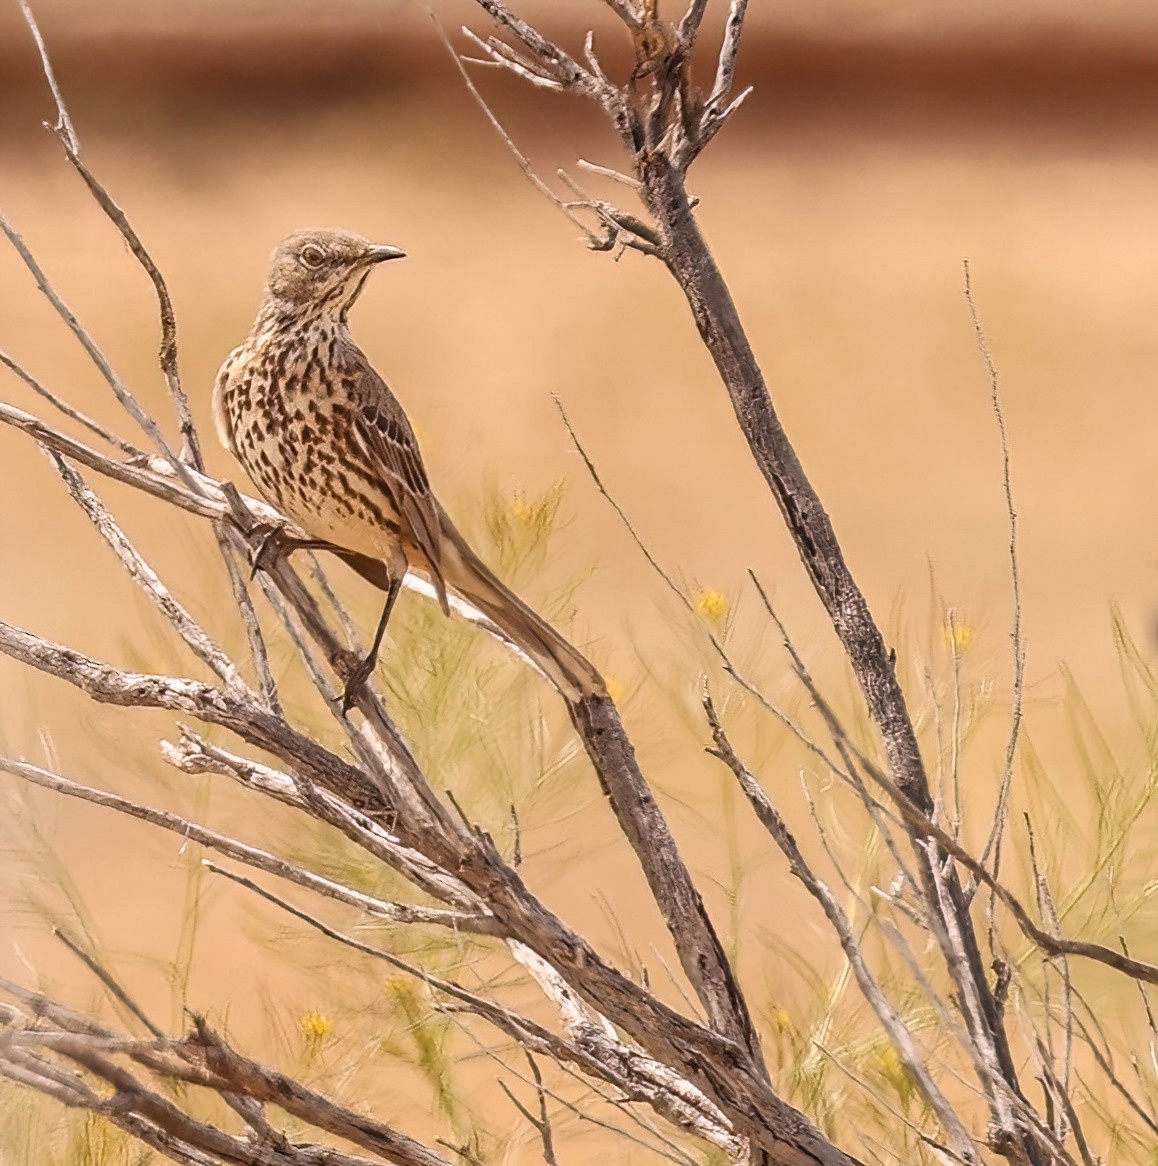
884 142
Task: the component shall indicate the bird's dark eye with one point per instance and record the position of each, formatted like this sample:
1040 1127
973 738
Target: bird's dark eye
312 255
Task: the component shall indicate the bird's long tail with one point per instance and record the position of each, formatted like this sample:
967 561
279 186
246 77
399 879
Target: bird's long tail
465 573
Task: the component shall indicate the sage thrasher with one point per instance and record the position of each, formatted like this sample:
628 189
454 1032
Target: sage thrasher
328 444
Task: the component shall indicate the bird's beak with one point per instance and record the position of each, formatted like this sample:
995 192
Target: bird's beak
381 254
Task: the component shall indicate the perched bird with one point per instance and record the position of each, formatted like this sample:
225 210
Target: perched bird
326 442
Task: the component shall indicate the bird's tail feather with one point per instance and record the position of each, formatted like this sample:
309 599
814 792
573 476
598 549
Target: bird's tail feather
465 573
571 672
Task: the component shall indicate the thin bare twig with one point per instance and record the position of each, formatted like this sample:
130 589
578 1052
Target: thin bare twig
676 1154
623 228
607 172
193 754
542 1123
922 827
876 811
477 923
640 1076
912 1058
1106 1065
729 665
63 126
593 240
146 578
627 11
1048 912
565 67
726 65
127 448
106 978
258 651
529 1034
714 122
500 55
993 843
168 351
955 727
689 26
129 402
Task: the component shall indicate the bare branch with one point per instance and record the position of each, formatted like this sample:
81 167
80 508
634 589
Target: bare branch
542 1123
263 1084
132 1098
923 828
130 403
912 1058
194 754
147 580
63 127
500 55
714 122
1105 1064
125 447
726 65
728 663
593 240
634 1072
993 843
153 477
168 351
607 172
689 26
402 913
258 651
627 11
205 1059
623 228
106 978
565 67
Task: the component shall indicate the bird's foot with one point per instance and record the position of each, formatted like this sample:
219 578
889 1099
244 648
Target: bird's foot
273 541
359 675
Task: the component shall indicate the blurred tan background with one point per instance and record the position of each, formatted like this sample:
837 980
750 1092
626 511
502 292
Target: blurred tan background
884 143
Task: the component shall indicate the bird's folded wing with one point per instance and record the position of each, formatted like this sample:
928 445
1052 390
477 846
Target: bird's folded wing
392 449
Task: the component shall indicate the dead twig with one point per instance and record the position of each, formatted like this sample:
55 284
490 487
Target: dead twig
993 843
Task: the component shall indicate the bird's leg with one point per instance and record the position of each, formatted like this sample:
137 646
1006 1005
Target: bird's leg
275 541
366 668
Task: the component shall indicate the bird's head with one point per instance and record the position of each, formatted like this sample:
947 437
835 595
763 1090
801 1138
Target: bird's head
322 271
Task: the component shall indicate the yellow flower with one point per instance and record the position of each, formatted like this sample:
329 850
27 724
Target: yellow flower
522 508
614 688
959 636
315 1027
711 604
893 1070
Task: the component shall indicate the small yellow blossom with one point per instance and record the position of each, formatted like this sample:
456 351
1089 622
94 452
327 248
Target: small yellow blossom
959 636
614 688
523 508
315 1027
892 1069
711 604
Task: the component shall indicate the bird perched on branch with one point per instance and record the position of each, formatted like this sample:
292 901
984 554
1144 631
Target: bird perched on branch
326 442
